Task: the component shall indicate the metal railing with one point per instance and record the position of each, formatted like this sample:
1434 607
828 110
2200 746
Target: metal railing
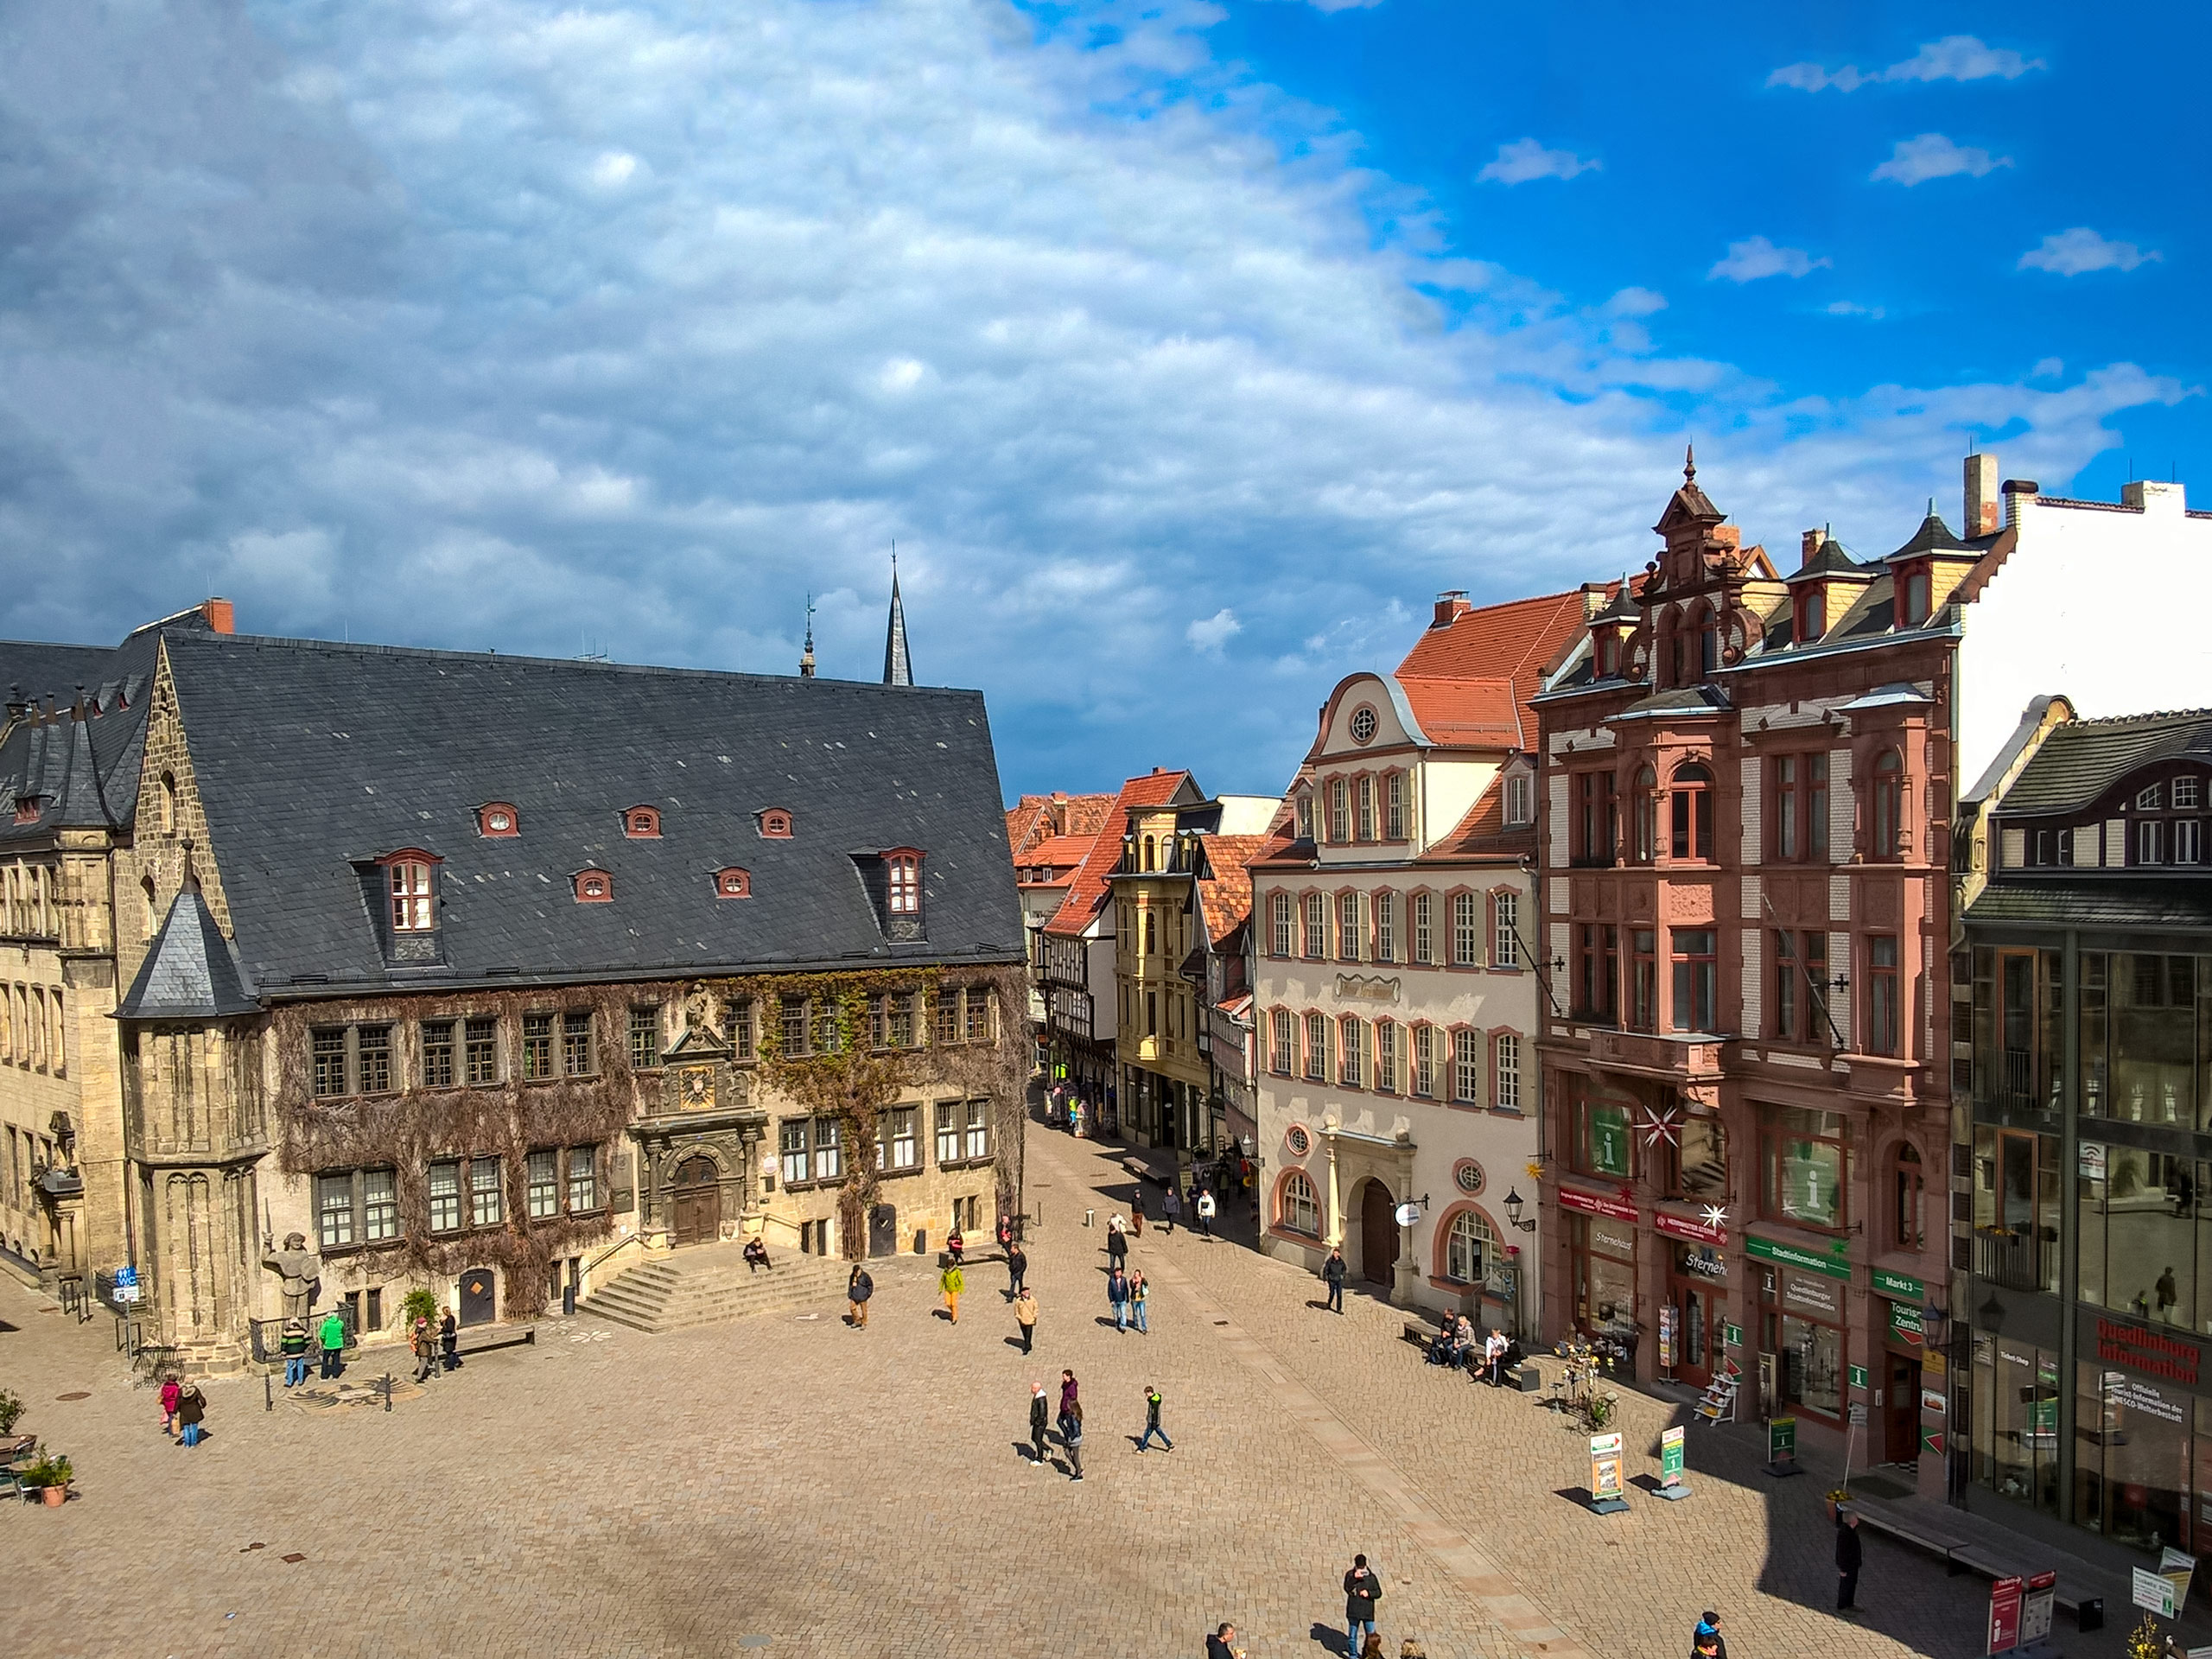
267 1335
2018 1260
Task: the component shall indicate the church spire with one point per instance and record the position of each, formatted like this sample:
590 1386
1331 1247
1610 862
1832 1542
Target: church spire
806 656
898 667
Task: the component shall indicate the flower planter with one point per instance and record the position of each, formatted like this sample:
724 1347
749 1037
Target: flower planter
53 1496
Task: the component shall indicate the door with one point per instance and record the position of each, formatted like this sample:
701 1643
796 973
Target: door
1901 1410
1697 1331
1378 1233
883 1230
478 1296
695 1201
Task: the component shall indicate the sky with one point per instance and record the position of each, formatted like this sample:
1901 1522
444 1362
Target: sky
1185 350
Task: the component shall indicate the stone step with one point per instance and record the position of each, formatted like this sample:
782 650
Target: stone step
715 1286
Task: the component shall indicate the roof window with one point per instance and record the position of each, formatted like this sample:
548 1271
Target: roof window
594 887
776 825
733 883
497 818
642 822
408 884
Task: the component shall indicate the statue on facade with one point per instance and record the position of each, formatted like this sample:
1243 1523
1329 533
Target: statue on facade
297 1268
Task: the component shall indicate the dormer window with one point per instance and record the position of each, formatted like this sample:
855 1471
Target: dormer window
1912 595
1305 817
1812 620
905 872
642 824
1609 653
2152 799
733 884
412 909
1516 800
594 887
26 809
497 818
776 825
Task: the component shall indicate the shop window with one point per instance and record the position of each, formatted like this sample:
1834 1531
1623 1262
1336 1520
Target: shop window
1696 979
1802 1154
1300 1211
1809 1359
1689 814
1601 1256
1907 1230
1643 816
1601 1142
1468 1248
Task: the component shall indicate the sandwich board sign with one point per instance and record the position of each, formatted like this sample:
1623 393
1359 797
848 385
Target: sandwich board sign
1606 1496
2035 1608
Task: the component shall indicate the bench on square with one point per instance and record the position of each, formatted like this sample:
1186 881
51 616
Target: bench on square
1959 1555
1523 1378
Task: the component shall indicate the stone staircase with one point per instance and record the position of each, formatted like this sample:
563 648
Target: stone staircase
711 1285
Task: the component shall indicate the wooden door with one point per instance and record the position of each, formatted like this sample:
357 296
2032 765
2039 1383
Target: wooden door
883 1230
1901 1409
695 1201
1697 1331
1378 1233
478 1296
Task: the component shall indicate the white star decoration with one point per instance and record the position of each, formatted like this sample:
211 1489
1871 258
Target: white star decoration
1658 1127
1715 1216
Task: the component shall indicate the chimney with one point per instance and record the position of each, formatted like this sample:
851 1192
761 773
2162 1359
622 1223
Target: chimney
1451 604
1808 544
1155 772
1982 496
2015 489
218 612
1593 599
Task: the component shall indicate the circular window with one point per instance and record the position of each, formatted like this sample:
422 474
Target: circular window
500 821
593 887
734 885
1362 726
1467 1175
1297 1140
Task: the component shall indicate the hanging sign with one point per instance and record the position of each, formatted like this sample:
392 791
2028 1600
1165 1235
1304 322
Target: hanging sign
1592 1204
1670 1456
1789 1256
1605 1465
2005 1615
1905 1326
2035 1608
1732 1335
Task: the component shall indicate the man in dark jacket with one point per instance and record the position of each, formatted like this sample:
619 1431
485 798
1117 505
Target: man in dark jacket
1363 1589
1017 1268
1220 1644
1040 1414
1846 1560
1706 1640
858 1288
1333 1275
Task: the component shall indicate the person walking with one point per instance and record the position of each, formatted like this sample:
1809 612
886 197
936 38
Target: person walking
1206 1212
1222 1644
293 1344
1072 1439
1706 1641
332 1335
1117 1243
171 1388
1117 1294
952 1282
1006 1231
1151 1421
1847 1554
956 1246
1067 1391
858 1286
1017 1269
1140 1298
424 1342
1024 1309
449 1341
1333 1275
1136 1214
1363 1589
1172 1211
1040 1414
191 1412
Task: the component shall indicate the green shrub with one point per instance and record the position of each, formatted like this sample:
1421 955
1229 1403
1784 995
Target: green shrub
419 1304
50 1469
11 1410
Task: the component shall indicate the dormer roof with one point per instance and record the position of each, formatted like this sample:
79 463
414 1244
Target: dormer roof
1833 561
191 972
1934 536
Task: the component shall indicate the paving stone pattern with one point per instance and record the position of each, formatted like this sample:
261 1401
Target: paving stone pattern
788 1485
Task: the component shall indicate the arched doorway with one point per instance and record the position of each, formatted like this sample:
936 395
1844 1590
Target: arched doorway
478 1296
695 1201
1378 1233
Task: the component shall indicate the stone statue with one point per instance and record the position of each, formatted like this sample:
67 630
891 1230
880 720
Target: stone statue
298 1267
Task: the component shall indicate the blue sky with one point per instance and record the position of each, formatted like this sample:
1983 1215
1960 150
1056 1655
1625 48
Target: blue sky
1185 350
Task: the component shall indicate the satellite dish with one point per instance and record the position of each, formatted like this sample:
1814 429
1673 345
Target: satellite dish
1408 1214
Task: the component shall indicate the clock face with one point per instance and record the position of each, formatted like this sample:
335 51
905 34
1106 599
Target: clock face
1362 726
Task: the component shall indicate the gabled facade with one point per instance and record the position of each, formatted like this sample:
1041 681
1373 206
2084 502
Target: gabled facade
1396 977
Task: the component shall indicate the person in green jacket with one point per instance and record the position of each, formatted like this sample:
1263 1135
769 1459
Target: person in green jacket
294 1346
952 1282
332 1336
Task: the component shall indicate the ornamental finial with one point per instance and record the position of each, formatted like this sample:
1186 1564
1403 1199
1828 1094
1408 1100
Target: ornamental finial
1689 463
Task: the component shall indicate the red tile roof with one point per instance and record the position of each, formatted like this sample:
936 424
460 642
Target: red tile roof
1061 852
1039 818
1088 890
1481 832
1471 680
1227 898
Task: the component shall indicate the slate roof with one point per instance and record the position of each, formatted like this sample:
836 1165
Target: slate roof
1831 559
313 758
37 671
191 972
83 760
1934 536
2080 761
2110 902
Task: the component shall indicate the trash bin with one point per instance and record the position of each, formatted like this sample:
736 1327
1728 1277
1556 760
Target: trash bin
2092 1616
921 1241
569 1300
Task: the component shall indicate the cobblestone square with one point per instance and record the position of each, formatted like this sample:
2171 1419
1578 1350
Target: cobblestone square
793 1486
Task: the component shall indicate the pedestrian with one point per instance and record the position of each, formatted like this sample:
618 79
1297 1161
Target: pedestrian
294 1346
424 1342
1494 1356
1373 1649
1220 1644
756 1255
332 1335
1172 1211
1140 1297
449 1341
1067 1391
1040 1414
952 1282
1117 1243
1006 1231
191 1412
1072 1438
1846 1560
1151 1421
1707 1639
1205 1210
858 1286
1136 1214
1363 1589
1024 1309
1117 1294
1333 1275
1017 1269
956 1246
171 1390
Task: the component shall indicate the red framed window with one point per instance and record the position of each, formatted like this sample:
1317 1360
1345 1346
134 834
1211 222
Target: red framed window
496 819
1798 805
641 823
776 825
1812 620
905 872
414 909
1883 1025
1644 816
1889 805
733 884
1689 814
594 887
1593 839
1696 979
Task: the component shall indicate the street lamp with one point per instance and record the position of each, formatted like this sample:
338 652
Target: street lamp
1513 1208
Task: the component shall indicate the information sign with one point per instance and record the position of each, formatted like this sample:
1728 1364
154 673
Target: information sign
1605 1465
1858 1413
2035 1608
1782 1440
1670 1456
2004 1616
1732 1335
2175 1565
1858 1376
127 1287
2154 1593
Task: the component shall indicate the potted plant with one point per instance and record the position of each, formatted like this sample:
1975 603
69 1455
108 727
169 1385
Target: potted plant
52 1474
419 1303
1840 1495
11 1411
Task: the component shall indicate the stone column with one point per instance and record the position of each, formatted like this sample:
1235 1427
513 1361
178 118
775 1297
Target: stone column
1336 1231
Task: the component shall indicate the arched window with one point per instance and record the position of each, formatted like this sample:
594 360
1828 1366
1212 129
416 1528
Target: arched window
1468 1248
498 818
1148 852
905 873
1300 1211
776 825
641 823
1645 814
733 884
1709 644
1889 805
1690 814
1150 934
594 887
149 919
167 803
409 883
1907 1188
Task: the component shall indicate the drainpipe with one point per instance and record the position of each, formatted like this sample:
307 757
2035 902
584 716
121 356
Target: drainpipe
2069 1141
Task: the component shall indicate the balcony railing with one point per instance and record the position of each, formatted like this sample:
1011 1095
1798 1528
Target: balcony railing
2018 1260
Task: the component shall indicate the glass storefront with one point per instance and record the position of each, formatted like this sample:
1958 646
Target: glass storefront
2015 1415
1602 1254
1801 1326
2132 1471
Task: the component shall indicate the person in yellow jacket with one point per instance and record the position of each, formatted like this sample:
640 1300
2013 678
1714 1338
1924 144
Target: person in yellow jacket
952 1282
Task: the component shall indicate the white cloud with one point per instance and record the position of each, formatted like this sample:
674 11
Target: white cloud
2069 253
614 167
1212 633
1955 57
2047 368
1931 155
1164 367
1747 262
1852 308
1525 159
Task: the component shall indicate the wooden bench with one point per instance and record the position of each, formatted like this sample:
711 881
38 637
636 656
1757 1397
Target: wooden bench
1960 1557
